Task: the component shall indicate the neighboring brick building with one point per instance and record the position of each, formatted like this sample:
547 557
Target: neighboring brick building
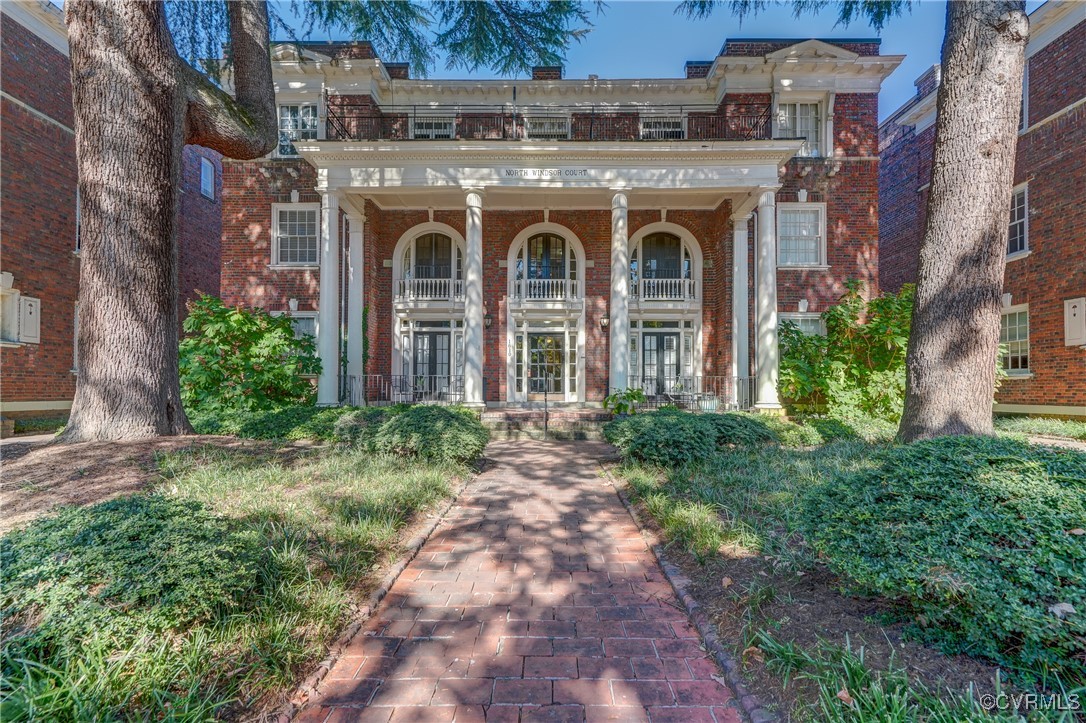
573 236
39 261
1045 282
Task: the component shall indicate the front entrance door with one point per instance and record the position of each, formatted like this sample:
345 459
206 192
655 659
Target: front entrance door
431 356
546 356
659 362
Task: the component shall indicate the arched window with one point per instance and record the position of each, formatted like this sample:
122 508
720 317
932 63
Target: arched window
662 268
431 268
546 268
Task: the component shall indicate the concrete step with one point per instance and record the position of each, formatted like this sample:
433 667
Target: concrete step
521 424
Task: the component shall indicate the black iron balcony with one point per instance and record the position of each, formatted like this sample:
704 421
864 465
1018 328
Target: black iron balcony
365 122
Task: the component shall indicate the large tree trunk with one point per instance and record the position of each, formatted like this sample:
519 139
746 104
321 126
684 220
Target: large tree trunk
951 362
136 105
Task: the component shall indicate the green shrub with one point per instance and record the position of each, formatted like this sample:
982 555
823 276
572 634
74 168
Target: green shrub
979 537
359 426
858 366
234 358
304 421
447 434
125 566
40 425
667 437
741 430
852 427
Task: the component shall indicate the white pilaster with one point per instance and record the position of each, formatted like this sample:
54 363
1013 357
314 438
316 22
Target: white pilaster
473 299
356 299
619 321
328 305
765 306
740 366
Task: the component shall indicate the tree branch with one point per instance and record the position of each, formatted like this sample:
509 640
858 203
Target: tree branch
243 127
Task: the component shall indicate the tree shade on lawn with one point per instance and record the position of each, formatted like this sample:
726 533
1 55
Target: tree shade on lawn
137 103
950 369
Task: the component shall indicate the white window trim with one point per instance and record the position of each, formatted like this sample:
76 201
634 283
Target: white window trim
279 103
1014 192
275 209
566 116
794 316
303 315
1018 373
681 116
824 101
823 262
433 117
208 164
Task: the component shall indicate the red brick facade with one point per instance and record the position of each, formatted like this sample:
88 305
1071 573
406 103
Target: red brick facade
38 182
1051 161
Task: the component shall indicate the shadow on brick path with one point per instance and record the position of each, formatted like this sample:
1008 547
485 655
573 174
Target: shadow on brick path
535 599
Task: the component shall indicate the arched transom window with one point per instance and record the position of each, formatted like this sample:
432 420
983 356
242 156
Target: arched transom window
431 268
662 268
546 268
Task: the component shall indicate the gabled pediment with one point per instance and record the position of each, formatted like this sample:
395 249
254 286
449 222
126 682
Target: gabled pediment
291 52
812 50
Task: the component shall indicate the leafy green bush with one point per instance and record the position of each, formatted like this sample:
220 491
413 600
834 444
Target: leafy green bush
624 402
858 367
852 427
303 421
136 564
741 430
665 437
234 358
359 426
980 537
439 433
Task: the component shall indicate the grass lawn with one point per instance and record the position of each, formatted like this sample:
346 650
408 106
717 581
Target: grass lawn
815 643
209 595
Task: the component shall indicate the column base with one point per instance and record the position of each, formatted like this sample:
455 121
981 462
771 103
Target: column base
771 408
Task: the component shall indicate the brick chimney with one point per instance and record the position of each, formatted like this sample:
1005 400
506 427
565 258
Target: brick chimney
398 71
547 72
698 68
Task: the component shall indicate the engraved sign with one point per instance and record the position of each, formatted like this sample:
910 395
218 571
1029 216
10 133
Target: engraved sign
541 174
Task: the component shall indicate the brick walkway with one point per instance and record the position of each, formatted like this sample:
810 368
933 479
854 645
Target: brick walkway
536 599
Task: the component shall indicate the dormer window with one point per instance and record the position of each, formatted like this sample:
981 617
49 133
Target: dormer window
546 128
296 123
434 127
804 121
662 128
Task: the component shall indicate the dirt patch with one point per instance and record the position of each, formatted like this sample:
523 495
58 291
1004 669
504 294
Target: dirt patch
38 477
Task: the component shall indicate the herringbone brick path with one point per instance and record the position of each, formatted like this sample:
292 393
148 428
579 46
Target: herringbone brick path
535 599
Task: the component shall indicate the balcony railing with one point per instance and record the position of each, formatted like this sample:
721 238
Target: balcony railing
696 392
664 290
374 390
429 290
363 121
545 289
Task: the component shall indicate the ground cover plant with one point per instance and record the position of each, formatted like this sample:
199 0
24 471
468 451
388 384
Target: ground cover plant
209 596
962 545
1042 426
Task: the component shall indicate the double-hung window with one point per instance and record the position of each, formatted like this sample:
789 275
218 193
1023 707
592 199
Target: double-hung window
434 127
296 123
801 234
662 128
555 128
801 120
807 323
207 178
1014 338
296 234
1018 236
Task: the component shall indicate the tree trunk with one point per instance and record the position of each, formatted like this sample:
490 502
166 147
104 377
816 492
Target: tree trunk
136 104
954 343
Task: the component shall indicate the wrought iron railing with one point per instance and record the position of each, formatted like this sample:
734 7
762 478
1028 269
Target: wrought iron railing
362 121
695 392
374 390
664 289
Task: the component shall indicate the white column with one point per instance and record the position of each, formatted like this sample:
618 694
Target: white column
356 299
765 306
619 321
740 367
473 299
328 305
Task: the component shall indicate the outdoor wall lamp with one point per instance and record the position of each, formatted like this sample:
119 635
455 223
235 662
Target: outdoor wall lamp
487 320
604 321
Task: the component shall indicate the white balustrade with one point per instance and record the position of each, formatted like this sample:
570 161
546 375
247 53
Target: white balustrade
665 289
429 289
545 289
